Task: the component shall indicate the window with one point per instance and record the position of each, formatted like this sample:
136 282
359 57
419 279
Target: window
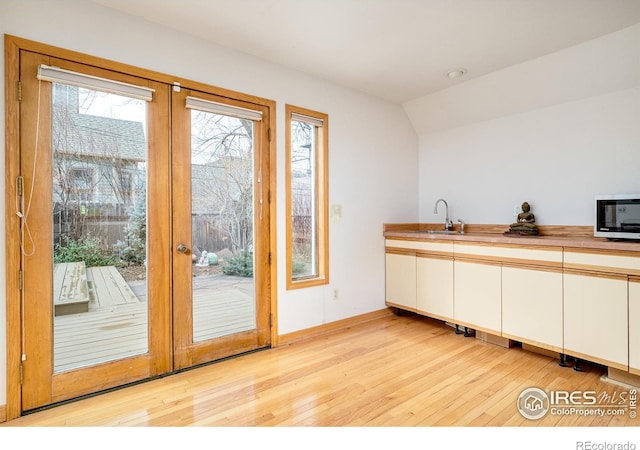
307 197
81 184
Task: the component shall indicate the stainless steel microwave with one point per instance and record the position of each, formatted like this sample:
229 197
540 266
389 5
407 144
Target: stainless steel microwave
617 216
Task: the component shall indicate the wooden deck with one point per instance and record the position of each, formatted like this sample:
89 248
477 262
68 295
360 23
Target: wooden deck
222 305
115 325
100 335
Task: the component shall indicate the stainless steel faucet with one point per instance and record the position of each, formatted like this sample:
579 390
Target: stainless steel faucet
448 225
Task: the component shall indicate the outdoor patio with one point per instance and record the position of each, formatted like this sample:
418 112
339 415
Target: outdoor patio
115 324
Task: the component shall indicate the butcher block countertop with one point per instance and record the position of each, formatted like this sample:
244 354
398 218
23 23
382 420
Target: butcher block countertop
578 237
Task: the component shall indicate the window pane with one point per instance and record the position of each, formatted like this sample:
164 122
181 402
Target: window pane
99 227
222 200
303 200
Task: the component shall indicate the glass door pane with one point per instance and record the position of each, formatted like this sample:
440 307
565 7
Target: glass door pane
222 214
99 204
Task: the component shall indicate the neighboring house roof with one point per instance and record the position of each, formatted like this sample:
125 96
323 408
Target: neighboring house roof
101 137
108 138
83 135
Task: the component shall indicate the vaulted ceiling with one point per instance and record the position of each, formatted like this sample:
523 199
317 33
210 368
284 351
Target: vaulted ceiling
395 49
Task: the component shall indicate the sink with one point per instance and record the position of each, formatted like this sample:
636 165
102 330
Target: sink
442 232
434 231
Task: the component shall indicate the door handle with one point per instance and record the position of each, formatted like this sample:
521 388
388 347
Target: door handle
182 248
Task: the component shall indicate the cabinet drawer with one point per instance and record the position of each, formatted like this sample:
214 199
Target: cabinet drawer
602 261
424 246
538 256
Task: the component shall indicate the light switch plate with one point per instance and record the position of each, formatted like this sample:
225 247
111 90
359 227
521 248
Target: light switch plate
336 213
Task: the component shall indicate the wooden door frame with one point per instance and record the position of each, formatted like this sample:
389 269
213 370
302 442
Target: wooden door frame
13 46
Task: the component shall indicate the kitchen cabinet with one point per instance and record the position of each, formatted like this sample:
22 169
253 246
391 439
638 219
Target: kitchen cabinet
634 325
595 318
532 296
510 290
477 295
596 305
435 280
573 295
400 277
532 306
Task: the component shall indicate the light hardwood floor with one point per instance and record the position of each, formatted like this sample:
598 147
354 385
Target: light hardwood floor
394 371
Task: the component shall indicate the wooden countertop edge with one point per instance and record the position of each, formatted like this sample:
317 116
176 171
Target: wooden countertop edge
568 237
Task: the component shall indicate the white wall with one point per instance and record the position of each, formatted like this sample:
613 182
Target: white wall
373 148
553 131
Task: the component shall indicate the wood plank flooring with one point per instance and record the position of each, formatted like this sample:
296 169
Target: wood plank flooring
405 371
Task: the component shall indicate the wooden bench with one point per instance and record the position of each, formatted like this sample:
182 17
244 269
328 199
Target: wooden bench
70 288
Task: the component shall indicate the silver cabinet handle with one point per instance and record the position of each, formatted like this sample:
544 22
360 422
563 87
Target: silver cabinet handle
182 248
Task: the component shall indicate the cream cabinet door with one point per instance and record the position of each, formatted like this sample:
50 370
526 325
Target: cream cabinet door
634 326
532 306
596 318
401 281
435 287
477 296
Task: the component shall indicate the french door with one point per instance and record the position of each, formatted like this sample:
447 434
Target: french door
220 208
144 228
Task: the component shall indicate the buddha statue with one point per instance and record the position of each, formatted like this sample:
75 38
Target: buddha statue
525 222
